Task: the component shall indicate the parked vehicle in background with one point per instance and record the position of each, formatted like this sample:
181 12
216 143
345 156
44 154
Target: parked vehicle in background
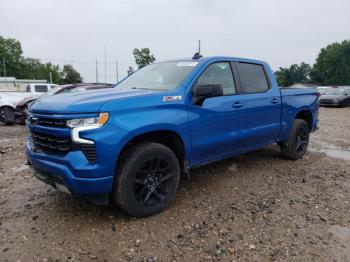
9 100
335 96
22 105
133 141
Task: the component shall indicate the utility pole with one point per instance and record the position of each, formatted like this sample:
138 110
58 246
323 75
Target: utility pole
199 46
4 66
50 77
116 69
96 72
105 63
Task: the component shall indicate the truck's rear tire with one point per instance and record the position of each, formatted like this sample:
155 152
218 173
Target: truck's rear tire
298 140
7 115
146 180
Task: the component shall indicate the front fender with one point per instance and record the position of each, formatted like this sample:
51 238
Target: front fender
127 123
182 132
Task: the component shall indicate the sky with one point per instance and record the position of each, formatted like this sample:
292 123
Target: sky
281 32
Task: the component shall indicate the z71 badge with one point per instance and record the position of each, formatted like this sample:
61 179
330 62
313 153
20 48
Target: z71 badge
171 98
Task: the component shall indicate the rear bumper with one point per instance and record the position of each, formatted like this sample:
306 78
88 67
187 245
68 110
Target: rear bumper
59 173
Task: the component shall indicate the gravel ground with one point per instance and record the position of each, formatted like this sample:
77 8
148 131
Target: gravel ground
254 207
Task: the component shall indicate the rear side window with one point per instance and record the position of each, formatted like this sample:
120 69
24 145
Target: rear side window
219 73
41 88
252 77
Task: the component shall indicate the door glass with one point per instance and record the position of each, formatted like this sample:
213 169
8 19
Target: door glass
252 77
219 73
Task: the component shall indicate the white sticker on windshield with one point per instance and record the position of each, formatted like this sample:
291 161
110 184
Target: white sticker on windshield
171 98
187 64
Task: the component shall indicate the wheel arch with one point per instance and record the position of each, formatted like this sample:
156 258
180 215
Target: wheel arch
167 137
7 106
306 115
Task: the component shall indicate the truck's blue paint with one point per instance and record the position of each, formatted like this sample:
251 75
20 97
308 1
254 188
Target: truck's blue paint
213 131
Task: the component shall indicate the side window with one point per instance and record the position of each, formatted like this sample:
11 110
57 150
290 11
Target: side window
219 73
40 88
252 77
28 88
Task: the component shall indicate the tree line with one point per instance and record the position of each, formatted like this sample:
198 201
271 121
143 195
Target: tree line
13 63
332 67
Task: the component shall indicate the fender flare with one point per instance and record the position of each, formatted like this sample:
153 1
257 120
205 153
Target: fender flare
163 127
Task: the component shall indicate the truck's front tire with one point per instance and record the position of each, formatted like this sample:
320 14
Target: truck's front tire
7 115
146 180
298 140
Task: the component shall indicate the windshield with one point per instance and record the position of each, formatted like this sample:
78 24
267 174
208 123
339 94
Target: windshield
334 91
160 76
52 91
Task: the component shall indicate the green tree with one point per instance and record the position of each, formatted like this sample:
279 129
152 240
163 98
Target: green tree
11 55
332 65
143 57
70 75
294 74
28 68
44 70
31 68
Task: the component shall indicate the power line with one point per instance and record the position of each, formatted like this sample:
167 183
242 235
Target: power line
82 61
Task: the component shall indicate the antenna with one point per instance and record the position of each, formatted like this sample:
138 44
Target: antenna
198 54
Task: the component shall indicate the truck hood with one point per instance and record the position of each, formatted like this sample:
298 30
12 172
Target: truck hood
89 101
11 98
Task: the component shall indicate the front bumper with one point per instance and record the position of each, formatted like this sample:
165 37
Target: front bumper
59 171
330 103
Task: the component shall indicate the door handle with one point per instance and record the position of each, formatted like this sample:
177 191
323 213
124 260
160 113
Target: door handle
237 105
274 100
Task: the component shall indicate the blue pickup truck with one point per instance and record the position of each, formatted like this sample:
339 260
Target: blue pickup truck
131 143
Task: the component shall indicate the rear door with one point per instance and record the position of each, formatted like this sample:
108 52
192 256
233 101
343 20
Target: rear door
215 124
262 100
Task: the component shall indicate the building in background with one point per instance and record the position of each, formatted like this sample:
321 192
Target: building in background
13 84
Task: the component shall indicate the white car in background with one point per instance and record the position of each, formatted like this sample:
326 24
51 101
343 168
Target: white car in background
9 100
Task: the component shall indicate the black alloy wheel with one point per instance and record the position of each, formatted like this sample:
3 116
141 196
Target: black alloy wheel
302 139
152 180
298 140
146 179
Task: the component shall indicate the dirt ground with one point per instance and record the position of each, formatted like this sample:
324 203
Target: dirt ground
254 207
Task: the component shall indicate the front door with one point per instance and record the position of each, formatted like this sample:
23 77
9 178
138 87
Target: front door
215 125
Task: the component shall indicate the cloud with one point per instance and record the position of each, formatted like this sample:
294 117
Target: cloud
279 31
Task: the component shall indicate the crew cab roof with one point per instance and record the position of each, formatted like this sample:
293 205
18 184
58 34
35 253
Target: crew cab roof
211 58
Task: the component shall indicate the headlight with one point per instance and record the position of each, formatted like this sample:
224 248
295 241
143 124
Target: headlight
98 121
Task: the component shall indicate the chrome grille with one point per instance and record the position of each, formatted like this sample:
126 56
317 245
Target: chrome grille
51 122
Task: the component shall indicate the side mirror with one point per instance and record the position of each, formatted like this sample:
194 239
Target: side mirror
201 92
